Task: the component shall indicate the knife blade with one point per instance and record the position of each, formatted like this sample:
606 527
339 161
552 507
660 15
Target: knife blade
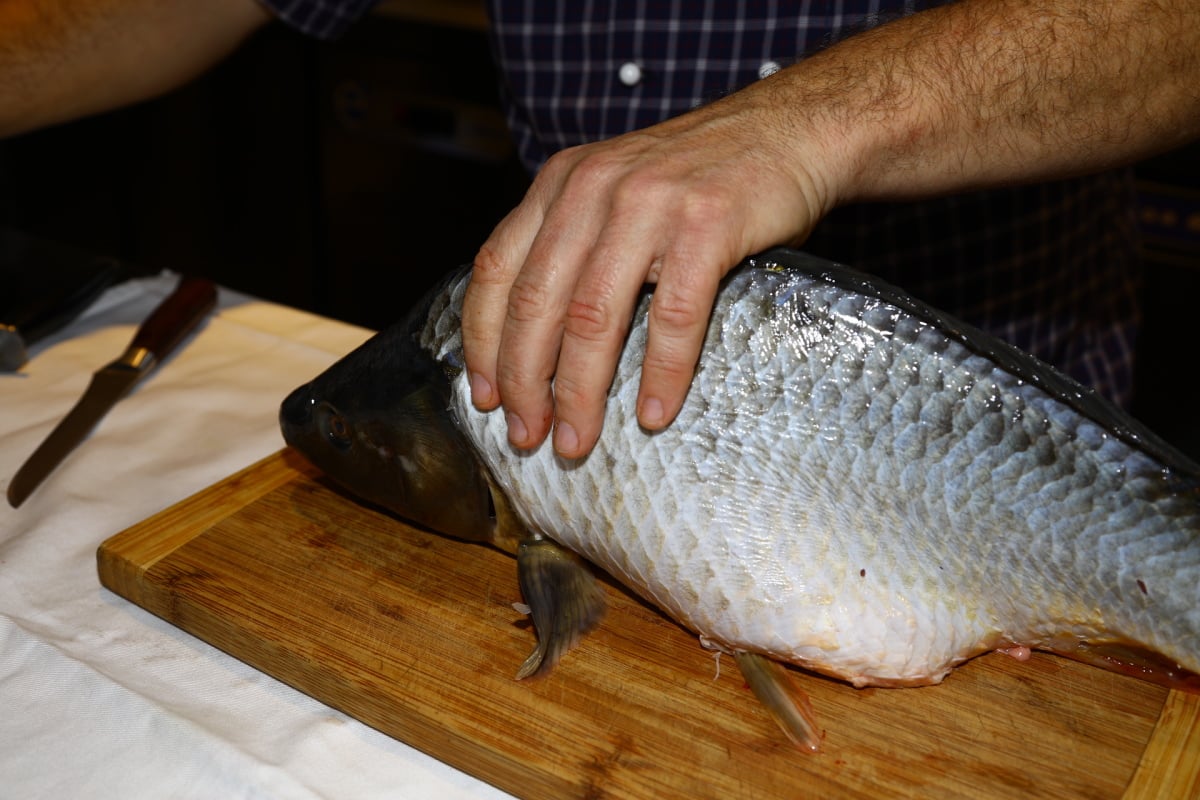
162 331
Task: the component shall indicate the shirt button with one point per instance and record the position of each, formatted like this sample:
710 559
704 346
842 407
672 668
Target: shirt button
630 74
768 68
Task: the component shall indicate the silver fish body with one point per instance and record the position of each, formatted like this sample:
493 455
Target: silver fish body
862 486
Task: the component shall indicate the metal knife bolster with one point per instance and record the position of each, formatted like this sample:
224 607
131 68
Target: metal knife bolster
138 358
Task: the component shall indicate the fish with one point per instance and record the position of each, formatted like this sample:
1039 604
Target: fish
857 485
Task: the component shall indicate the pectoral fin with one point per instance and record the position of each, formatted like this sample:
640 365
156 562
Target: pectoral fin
786 702
563 597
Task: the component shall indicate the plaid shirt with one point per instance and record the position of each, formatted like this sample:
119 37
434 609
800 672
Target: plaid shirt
1052 268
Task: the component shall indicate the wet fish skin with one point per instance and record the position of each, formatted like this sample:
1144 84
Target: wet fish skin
850 488
856 483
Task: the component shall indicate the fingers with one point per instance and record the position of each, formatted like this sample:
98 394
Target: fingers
485 305
550 301
569 308
596 322
517 304
653 233
549 305
566 328
679 313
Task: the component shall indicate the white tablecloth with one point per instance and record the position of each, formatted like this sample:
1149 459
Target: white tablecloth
100 699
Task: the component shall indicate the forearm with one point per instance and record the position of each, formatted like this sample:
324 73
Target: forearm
989 92
62 59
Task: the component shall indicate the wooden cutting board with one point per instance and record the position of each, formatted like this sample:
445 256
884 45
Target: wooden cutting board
416 635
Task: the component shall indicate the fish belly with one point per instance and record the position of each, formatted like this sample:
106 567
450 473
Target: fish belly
851 490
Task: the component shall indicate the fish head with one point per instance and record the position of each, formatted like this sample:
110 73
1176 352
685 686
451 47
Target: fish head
379 423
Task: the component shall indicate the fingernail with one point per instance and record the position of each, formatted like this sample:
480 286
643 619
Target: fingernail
566 441
517 432
651 412
481 390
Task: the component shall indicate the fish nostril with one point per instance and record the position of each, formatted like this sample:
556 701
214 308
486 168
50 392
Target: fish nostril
296 410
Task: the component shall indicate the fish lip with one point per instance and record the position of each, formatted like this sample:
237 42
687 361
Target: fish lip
296 411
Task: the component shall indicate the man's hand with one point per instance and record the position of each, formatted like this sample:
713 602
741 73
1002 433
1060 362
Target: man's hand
971 94
554 288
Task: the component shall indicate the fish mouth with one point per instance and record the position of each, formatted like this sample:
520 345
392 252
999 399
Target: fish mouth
296 412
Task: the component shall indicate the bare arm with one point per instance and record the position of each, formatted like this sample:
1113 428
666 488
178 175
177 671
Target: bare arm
62 59
989 93
974 94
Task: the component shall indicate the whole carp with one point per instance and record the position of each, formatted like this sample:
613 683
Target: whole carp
857 484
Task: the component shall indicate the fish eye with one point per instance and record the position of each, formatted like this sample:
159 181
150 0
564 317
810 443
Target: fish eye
335 427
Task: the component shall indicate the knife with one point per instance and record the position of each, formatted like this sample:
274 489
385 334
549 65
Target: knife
171 321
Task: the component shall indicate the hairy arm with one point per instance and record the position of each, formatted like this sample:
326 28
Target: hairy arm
974 94
62 59
989 93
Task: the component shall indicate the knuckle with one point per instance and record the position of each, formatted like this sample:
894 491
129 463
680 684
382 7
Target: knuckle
597 168
705 210
517 381
589 320
675 313
489 267
650 185
599 172
639 184
558 162
669 365
559 168
572 393
528 301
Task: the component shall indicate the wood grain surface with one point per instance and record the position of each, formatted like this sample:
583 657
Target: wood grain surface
416 635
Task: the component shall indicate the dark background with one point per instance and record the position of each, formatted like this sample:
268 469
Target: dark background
344 178
340 178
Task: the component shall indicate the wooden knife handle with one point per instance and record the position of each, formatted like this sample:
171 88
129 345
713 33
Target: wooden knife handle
176 316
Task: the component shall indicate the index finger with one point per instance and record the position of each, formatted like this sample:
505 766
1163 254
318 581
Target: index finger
485 304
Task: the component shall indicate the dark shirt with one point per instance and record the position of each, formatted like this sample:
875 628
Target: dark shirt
1053 268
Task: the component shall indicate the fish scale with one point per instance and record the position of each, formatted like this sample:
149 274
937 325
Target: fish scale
851 489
